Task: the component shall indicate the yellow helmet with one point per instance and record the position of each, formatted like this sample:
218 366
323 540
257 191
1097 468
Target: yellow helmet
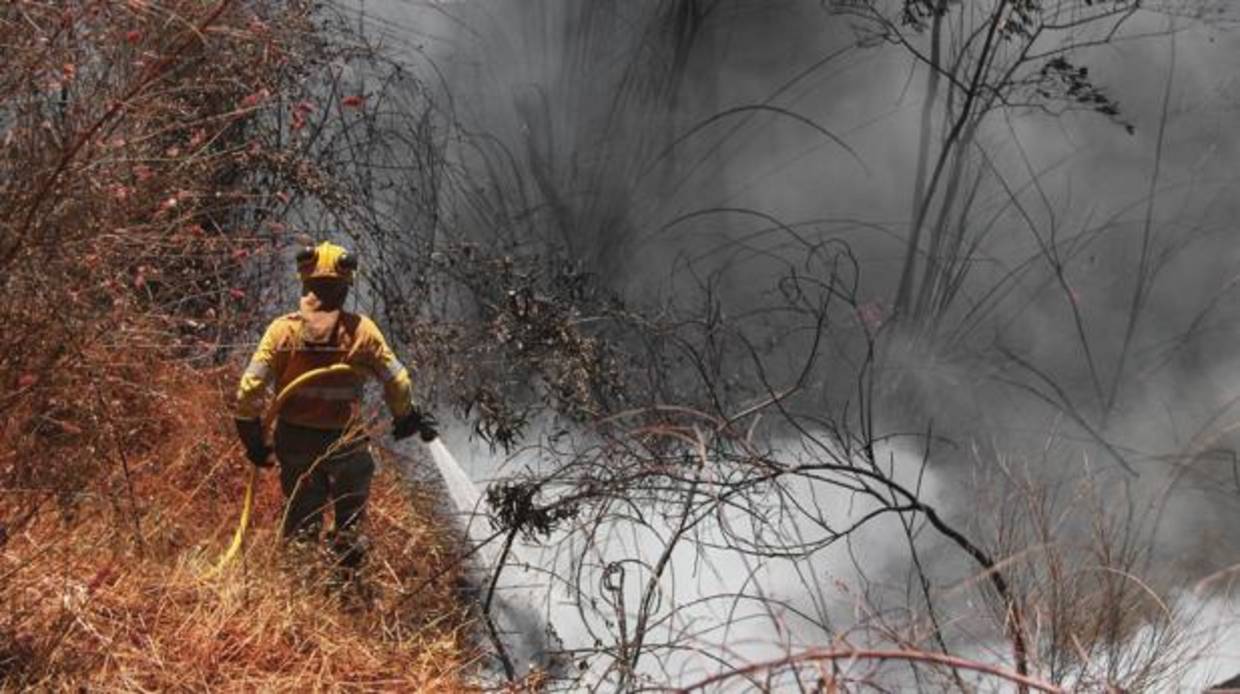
326 260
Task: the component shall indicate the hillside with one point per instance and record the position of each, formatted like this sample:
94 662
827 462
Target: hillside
109 588
151 155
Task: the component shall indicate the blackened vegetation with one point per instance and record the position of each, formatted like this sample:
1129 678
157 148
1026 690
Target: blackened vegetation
1060 80
537 345
917 13
514 508
1012 54
707 432
762 435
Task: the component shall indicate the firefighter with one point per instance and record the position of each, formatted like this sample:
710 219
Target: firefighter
321 462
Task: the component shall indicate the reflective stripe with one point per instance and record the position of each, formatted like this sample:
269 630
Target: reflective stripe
329 393
258 370
394 367
317 347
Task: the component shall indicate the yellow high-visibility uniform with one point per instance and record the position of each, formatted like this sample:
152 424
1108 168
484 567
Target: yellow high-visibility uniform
299 342
315 473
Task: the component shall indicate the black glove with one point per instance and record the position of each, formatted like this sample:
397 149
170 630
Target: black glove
256 448
423 423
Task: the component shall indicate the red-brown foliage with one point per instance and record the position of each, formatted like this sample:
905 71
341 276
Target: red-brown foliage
149 153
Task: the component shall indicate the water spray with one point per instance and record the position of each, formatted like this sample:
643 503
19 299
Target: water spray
523 638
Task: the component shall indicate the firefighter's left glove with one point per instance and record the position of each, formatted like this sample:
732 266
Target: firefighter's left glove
256 449
417 421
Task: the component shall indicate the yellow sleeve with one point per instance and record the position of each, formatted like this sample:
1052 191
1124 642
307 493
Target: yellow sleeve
382 361
259 375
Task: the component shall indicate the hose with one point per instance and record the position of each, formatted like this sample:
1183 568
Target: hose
247 502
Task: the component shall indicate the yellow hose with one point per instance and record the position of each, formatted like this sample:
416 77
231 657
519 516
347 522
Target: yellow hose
247 502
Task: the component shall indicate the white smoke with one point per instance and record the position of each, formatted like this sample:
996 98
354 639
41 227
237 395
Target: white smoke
1091 171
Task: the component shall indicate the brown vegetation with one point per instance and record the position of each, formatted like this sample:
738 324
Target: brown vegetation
113 591
149 155
154 159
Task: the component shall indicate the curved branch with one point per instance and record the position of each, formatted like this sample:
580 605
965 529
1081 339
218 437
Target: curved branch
816 655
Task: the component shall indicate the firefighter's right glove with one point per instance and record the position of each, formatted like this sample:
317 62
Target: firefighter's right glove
256 449
423 423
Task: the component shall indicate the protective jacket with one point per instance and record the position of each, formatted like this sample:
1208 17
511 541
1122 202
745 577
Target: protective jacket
310 339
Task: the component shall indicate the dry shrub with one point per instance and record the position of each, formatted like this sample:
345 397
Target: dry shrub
127 177
1081 556
521 344
149 152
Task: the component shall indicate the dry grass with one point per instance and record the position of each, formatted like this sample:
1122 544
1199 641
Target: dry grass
97 595
151 155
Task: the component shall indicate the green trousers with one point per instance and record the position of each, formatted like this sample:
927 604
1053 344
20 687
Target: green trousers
317 472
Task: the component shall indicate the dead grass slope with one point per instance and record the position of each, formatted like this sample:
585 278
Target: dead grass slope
108 590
